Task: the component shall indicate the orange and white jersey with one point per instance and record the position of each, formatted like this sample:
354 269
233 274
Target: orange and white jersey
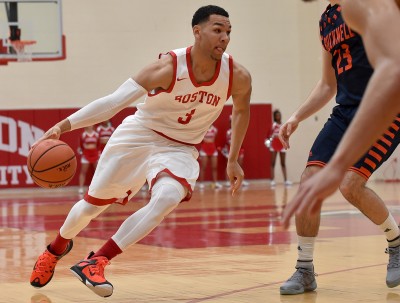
186 110
105 133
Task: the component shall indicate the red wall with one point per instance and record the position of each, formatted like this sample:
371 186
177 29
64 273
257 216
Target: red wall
20 128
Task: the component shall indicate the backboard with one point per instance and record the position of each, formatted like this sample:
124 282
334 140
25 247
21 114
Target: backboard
31 30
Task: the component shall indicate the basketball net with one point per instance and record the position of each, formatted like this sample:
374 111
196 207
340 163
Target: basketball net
22 49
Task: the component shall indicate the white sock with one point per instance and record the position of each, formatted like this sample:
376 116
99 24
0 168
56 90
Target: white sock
305 251
391 231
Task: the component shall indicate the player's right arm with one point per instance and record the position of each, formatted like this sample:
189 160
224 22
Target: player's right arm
322 93
157 75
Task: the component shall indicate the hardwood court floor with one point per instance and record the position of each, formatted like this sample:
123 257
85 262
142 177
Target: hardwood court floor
215 249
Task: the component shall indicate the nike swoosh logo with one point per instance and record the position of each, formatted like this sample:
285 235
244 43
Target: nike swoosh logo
180 79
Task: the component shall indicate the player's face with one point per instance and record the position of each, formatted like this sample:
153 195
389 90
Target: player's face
214 36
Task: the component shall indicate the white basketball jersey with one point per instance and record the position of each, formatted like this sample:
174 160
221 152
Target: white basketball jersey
187 109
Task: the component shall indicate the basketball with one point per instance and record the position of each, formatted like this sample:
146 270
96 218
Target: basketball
51 163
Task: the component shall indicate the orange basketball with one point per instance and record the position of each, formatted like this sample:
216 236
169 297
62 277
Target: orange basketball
51 163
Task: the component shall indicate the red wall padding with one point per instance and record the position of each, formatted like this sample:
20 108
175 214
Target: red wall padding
20 128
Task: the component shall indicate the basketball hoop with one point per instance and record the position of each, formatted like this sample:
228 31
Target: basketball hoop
22 50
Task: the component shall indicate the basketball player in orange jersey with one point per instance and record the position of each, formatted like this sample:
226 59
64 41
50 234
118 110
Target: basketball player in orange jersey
346 73
105 130
209 152
276 147
186 92
88 148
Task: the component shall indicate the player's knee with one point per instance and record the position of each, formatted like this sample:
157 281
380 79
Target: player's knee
308 172
167 193
351 186
89 210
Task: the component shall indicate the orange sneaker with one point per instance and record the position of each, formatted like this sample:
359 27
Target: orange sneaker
43 270
91 273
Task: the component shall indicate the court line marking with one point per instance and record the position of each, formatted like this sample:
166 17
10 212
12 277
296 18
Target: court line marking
273 283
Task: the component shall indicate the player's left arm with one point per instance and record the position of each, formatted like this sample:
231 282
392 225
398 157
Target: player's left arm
241 93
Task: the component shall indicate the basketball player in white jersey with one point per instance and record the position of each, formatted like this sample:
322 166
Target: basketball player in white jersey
187 89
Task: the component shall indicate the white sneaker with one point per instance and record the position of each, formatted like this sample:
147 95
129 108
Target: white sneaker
273 183
201 186
245 183
302 280
288 183
227 184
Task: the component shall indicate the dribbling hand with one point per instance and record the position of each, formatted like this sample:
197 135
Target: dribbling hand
52 133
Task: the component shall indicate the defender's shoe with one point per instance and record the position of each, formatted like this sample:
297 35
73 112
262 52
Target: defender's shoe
43 270
393 267
302 280
91 273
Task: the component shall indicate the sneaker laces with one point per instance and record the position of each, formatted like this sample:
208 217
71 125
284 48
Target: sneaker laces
45 263
394 256
300 274
98 267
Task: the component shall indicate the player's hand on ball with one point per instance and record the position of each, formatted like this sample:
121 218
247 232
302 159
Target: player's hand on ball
52 133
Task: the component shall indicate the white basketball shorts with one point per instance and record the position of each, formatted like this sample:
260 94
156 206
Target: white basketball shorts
135 154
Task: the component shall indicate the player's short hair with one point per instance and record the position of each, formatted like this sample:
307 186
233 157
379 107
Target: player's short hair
203 13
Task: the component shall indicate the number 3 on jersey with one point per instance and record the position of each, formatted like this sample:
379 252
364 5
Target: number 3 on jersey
343 53
187 118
